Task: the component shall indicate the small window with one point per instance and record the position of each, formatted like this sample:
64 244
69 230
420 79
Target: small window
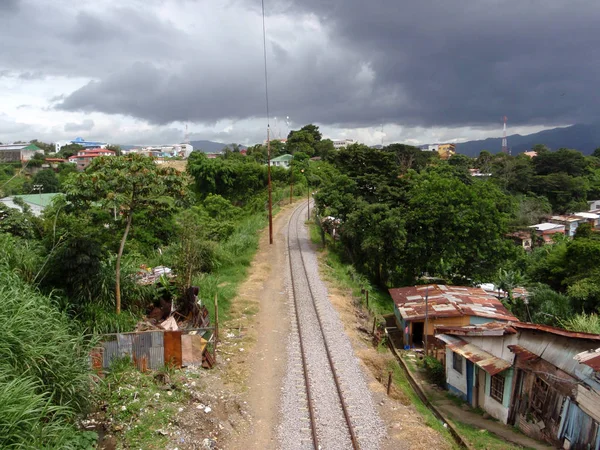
457 362
497 388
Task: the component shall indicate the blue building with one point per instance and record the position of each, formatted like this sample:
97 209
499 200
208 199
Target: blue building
80 141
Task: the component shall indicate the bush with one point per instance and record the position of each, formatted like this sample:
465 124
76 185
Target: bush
44 375
436 373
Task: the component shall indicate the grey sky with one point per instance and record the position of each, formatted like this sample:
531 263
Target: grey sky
139 70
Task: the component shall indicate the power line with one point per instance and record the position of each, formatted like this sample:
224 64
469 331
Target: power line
268 126
265 58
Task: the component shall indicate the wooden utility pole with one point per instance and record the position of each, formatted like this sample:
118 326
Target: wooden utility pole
270 189
216 320
426 316
291 181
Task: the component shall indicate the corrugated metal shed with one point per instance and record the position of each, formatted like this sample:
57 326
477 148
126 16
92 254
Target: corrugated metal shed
448 301
481 358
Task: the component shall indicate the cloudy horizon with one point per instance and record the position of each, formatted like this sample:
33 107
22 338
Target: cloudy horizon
139 71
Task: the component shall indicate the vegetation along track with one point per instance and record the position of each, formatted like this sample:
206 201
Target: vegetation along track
326 403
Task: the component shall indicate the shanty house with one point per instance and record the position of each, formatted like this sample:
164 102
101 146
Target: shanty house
571 222
443 305
546 231
535 377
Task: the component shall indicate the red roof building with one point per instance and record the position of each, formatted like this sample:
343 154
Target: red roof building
83 158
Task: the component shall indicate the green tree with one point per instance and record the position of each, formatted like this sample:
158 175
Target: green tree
129 184
48 179
570 162
324 148
48 148
484 161
301 141
310 128
456 227
67 151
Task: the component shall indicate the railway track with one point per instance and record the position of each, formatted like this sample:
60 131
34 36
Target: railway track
330 424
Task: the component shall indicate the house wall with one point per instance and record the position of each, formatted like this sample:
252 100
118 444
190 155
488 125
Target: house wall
594 204
10 155
492 406
456 382
541 420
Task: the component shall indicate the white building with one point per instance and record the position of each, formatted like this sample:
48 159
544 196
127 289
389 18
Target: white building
169 151
341 143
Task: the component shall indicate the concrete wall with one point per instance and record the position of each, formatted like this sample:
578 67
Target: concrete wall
457 382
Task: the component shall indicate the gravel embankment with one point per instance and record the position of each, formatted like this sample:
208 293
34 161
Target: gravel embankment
295 432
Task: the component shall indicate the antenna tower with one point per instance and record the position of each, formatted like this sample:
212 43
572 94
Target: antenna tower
504 142
186 137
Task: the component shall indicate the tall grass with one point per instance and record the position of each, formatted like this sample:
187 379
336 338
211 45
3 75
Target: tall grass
44 375
584 323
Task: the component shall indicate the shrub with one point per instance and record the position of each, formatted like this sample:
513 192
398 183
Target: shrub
436 373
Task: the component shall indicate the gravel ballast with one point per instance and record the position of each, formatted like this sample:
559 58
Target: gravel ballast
332 430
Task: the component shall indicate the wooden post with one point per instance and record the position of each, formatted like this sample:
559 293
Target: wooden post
374 325
367 294
216 320
389 386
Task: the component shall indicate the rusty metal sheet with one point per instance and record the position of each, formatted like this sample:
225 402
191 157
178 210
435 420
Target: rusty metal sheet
486 329
557 331
172 345
523 353
111 351
481 358
448 301
590 358
192 347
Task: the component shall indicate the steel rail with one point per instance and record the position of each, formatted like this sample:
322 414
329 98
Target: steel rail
353 438
311 411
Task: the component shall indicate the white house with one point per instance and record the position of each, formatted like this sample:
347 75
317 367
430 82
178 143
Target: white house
282 161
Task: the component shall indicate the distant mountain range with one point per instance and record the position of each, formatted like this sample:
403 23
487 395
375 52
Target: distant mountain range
582 137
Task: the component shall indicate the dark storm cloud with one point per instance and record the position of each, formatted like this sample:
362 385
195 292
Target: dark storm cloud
9 5
427 63
470 62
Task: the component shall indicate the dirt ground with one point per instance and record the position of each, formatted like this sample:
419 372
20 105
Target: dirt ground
260 373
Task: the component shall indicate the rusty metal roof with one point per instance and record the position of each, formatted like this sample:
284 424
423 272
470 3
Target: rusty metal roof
590 358
448 301
557 331
481 358
523 353
486 329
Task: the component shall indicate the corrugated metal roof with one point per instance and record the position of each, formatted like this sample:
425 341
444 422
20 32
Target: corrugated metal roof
558 331
448 301
591 358
523 353
486 329
547 226
481 358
